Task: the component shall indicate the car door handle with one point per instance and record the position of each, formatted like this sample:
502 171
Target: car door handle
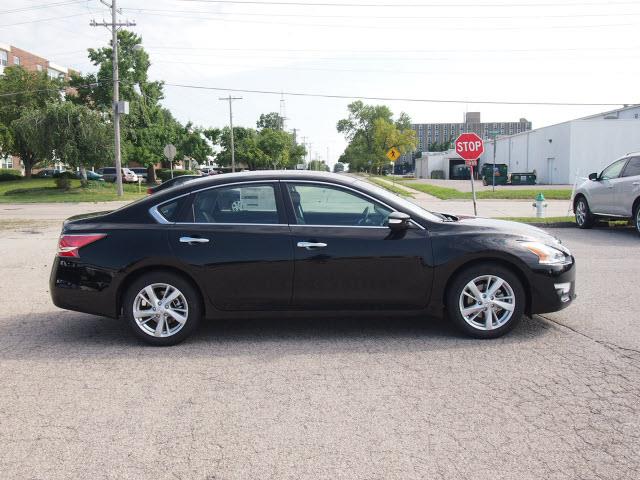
311 245
192 240
635 183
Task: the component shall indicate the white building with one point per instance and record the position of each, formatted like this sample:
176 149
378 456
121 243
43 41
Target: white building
559 153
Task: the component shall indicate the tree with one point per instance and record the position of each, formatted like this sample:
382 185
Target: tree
23 93
72 134
246 148
338 167
318 166
371 132
271 121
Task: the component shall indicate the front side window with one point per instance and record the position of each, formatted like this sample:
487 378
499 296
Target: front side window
249 203
315 204
633 167
613 170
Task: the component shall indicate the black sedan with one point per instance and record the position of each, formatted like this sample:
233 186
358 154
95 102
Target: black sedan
292 242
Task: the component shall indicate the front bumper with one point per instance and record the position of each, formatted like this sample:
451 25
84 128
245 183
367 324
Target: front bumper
552 288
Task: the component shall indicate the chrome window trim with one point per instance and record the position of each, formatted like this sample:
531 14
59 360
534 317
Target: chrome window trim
321 182
153 211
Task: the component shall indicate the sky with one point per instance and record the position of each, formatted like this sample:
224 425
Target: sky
562 51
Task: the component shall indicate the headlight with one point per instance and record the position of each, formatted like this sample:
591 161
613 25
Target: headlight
548 255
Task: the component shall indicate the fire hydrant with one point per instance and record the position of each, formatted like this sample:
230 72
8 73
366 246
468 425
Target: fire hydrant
540 205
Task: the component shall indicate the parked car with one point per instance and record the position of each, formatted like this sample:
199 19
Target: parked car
172 182
613 194
141 172
109 175
49 173
96 177
302 242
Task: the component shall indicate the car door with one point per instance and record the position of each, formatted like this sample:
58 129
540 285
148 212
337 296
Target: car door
236 238
602 191
346 256
628 189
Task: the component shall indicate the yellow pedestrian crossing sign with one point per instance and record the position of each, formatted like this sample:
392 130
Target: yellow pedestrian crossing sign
393 154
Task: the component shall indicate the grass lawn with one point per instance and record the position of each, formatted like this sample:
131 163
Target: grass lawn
403 192
446 193
42 190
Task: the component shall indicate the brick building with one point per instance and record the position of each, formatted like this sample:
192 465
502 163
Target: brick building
14 56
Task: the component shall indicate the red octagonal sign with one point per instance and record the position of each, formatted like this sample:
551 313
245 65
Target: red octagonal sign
469 146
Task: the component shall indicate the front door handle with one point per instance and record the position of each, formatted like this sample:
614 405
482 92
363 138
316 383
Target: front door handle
635 183
311 245
192 240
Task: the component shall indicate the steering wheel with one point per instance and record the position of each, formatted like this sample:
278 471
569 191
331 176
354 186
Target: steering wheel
364 219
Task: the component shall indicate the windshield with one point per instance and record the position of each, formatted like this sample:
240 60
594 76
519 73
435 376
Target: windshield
405 204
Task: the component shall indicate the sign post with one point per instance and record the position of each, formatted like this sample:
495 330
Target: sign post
470 147
170 153
393 154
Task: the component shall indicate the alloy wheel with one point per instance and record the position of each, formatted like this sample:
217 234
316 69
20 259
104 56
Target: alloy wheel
160 310
487 302
581 212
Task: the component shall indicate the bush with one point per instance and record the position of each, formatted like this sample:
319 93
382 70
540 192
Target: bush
66 174
63 182
7 174
437 174
165 173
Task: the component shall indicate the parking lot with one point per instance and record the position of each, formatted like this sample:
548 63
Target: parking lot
384 398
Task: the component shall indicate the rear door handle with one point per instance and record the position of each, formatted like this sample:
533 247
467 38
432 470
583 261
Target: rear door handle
635 183
192 240
311 245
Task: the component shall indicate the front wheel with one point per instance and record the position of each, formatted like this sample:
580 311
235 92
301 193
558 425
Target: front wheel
636 218
584 218
486 301
162 308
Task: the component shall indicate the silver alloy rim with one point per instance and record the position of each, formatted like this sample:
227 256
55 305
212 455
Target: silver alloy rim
160 310
487 302
581 212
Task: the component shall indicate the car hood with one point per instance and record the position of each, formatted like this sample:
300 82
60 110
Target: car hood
505 227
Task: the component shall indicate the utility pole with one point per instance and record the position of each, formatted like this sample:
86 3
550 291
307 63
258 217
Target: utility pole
495 147
118 108
230 99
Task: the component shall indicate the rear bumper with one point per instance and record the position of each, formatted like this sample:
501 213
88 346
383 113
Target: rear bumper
552 288
83 288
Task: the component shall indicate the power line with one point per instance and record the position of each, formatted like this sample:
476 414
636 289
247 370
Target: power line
41 6
410 5
383 17
393 99
43 20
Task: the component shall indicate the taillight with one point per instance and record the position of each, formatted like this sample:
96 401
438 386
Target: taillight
68 245
149 191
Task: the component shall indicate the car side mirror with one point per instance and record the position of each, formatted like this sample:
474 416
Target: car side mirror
398 221
593 176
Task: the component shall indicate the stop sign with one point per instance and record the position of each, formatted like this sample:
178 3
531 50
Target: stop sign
469 146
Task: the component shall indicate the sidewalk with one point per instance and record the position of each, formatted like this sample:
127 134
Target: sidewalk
486 208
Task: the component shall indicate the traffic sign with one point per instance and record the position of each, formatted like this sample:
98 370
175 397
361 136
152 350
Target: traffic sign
469 146
393 154
472 162
170 151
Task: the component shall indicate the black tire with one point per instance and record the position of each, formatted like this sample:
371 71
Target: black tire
455 292
636 218
584 217
190 294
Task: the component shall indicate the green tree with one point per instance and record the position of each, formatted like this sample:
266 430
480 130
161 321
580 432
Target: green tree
271 121
246 148
23 93
371 132
338 167
318 166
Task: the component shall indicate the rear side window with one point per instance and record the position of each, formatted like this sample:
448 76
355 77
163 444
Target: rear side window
108 170
170 210
633 168
249 204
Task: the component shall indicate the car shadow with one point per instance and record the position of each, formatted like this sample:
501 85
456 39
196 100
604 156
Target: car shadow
60 334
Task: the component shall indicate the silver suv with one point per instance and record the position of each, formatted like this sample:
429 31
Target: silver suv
615 193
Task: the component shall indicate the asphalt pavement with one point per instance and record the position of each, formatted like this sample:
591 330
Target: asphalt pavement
338 398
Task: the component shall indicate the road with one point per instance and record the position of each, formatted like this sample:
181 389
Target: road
339 398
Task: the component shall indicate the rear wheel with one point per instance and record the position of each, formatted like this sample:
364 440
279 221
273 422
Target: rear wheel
486 301
584 218
162 308
636 218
